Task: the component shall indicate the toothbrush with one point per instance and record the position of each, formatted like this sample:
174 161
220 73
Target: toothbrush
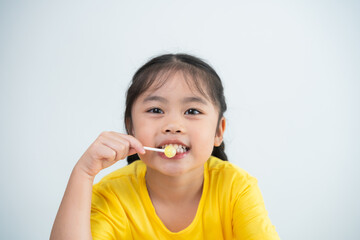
169 151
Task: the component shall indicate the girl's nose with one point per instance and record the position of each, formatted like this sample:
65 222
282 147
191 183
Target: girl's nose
173 127
172 130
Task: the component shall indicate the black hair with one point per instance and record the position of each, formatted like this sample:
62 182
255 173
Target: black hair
194 69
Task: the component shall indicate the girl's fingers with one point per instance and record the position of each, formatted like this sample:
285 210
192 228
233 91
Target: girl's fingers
108 148
134 143
105 152
120 147
123 145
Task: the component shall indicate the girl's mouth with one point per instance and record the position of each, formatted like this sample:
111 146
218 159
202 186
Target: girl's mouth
179 148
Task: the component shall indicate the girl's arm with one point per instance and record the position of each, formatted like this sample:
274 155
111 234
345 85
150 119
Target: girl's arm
73 218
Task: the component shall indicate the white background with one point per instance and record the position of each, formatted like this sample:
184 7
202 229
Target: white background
291 76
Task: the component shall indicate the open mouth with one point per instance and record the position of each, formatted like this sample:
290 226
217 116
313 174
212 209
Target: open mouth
179 148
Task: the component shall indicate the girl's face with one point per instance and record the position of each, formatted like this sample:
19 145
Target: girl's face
176 114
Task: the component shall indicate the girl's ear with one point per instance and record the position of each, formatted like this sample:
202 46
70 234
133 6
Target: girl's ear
220 132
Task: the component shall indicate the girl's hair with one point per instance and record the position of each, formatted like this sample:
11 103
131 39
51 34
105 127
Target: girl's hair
196 72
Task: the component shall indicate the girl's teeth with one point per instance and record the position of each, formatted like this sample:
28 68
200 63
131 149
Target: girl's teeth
179 148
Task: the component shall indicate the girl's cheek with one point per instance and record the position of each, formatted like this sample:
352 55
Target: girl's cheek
144 134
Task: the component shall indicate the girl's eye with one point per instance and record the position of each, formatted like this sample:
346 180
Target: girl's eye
155 110
192 111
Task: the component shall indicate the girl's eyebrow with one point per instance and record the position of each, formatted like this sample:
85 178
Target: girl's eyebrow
194 100
155 98
185 100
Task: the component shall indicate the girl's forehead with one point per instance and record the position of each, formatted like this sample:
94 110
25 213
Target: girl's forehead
180 83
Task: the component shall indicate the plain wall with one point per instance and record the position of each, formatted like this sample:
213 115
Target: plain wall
291 76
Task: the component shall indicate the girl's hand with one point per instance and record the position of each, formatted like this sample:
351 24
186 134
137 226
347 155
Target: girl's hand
106 150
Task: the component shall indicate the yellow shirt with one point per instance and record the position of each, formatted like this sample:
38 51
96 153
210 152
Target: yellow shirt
231 207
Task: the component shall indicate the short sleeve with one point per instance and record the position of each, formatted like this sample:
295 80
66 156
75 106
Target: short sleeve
250 218
108 220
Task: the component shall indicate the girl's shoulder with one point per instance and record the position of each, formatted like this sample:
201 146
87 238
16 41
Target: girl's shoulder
228 172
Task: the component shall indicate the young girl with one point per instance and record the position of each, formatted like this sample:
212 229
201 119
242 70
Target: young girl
197 194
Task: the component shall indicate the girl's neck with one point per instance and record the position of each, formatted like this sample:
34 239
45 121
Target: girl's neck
175 189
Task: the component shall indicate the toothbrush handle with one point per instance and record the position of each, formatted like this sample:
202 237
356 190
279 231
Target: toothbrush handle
154 149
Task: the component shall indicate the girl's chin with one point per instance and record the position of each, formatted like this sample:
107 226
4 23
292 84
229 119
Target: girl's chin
168 169
173 169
